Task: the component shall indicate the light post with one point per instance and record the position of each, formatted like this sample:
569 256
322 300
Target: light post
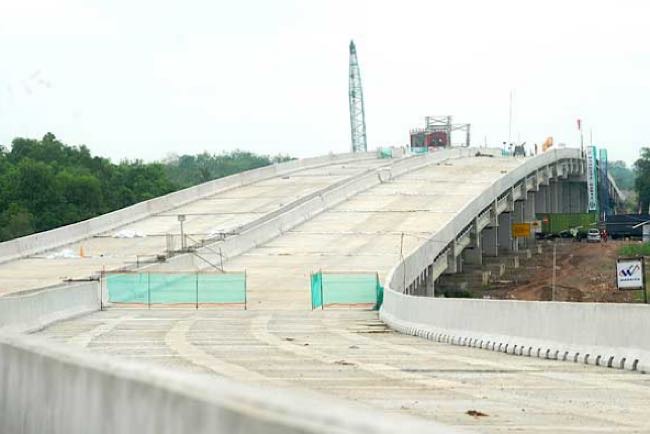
181 219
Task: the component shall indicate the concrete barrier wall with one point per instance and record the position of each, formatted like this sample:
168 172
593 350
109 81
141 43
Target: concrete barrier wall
602 334
33 309
43 241
45 389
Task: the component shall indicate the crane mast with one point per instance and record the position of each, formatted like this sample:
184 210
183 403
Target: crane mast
357 113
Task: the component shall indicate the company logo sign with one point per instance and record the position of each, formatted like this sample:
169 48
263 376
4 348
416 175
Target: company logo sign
629 273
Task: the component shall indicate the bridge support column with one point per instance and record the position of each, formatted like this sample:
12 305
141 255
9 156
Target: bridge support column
429 289
579 204
505 232
454 263
540 199
519 216
566 197
529 208
489 241
473 255
583 202
554 199
530 214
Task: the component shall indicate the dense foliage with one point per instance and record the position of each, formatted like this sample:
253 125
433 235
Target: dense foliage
45 183
642 182
623 175
188 170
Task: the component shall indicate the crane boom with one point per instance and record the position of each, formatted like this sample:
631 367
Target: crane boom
357 113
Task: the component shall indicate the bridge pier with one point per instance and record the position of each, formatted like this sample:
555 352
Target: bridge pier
454 263
519 216
473 255
429 287
489 241
529 206
505 232
540 199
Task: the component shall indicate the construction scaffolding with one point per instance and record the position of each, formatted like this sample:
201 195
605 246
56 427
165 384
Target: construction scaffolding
437 133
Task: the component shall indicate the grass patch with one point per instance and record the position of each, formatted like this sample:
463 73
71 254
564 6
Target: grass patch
637 249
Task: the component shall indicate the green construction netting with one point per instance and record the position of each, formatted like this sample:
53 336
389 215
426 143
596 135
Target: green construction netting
419 149
316 290
345 288
385 152
176 288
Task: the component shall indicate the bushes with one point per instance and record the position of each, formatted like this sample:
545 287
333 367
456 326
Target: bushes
637 249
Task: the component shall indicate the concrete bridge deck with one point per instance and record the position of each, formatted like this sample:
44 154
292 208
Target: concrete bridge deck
350 353
364 233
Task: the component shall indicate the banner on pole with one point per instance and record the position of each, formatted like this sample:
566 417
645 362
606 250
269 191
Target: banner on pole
592 180
604 196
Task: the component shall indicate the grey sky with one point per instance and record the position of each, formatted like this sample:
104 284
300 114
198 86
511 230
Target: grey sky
145 78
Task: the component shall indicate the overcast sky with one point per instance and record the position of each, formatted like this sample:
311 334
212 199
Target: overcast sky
141 79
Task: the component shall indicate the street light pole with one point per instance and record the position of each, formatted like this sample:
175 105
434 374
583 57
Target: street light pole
181 219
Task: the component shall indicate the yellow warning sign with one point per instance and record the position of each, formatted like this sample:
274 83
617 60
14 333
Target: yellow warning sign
521 230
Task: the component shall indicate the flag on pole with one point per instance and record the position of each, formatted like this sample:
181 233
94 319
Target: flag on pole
579 124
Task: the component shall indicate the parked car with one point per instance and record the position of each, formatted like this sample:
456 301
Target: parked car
593 236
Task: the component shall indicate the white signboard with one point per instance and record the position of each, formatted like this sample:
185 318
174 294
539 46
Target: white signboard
592 188
629 273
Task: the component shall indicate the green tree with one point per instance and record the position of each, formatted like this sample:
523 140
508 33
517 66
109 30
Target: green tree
642 182
46 183
15 221
623 175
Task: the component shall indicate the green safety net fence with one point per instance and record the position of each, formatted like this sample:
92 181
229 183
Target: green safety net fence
419 149
385 153
345 288
176 288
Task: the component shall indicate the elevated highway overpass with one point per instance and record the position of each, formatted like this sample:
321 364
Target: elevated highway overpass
408 219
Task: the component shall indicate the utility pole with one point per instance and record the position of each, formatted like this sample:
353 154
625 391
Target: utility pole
357 113
554 269
510 120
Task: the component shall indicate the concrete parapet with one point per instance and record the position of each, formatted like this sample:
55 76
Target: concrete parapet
602 334
46 388
33 309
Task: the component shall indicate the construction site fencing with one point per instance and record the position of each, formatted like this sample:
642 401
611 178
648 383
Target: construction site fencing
346 288
419 150
175 288
385 152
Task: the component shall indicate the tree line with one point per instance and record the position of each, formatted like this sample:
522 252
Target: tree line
46 183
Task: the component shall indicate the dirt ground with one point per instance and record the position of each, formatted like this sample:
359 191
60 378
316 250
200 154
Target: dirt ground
585 272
